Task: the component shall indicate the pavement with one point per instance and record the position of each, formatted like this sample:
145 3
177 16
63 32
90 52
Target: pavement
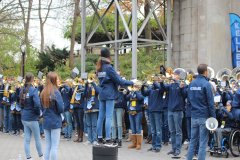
11 148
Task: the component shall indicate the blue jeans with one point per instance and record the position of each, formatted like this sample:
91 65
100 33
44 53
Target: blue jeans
41 127
32 127
7 119
79 114
199 133
68 129
91 120
52 141
165 130
156 125
117 123
188 120
136 123
105 111
175 128
146 111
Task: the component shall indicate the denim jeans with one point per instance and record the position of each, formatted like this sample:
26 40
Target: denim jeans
117 123
79 114
188 120
68 129
1 117
136 123
105 111
146 112
91 121
199 133
52 141
156 125
7 119
32 127
165 130
41 127
175 128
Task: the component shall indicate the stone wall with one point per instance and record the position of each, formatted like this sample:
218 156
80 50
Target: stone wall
201 33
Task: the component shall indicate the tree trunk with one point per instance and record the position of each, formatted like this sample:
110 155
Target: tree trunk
148 34
74 26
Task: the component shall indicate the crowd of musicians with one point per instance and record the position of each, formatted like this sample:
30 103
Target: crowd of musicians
168 107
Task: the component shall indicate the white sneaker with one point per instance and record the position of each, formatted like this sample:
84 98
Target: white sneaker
41 158
185 142
95 143
86 135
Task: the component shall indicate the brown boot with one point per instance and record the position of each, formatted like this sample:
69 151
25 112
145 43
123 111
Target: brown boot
129 136
81 136
134 141
78 137
139 141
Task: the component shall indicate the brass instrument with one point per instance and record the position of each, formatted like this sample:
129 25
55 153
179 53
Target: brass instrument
211 73
224 74
236 73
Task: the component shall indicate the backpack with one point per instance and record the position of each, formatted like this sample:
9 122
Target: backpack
23 96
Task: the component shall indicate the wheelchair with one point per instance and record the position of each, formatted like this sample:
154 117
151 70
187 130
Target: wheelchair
230 141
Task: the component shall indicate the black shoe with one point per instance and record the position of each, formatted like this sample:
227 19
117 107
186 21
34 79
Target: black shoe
171 152
151 149
157 150
119 143
177 153
99 141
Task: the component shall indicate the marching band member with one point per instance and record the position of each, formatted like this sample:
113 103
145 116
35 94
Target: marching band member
91 111
53 107
155 107
6 107
200 96
30 104
108 82
146 113
176 102
15 110
235 106
78 103
66 93
135 106
1 104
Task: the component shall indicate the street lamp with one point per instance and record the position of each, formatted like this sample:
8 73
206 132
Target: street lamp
23 50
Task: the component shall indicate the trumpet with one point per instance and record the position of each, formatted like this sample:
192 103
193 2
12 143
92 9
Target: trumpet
122 90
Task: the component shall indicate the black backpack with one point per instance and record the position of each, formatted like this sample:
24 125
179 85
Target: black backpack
23 96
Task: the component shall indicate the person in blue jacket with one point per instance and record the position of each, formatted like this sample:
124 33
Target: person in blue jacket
30 113
235 106
78 103
66 92
109 81
155 107
53 107
176 101
200 96
135 106
1 105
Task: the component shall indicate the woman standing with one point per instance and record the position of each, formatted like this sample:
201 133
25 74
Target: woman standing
52 108
108 83
30 104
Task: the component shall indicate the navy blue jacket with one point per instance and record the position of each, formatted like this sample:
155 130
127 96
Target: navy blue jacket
82 93
155 97
236 100
66 93
92 100
109 82
176 96
1 94
31 109
200 96
121 101
138 97
52 115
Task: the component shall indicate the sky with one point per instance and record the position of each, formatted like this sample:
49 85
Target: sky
54 27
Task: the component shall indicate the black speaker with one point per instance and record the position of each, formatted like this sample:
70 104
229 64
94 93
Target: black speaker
102 152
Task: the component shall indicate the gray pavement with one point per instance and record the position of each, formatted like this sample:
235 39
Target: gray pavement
11 148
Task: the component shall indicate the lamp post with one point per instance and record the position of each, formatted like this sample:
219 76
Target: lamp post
23 50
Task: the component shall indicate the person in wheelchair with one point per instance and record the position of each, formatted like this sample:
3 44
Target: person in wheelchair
225 120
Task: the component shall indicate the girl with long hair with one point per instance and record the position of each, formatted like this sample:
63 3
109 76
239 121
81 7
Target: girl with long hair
53 106
30 104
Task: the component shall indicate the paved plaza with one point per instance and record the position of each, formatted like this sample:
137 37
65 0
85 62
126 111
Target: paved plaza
11 148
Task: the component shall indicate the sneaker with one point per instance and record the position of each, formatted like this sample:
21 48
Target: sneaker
109 143
157 150
195 157
186 142
151 149
41 158
119 143
171 152
95 143
177 153
100 141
